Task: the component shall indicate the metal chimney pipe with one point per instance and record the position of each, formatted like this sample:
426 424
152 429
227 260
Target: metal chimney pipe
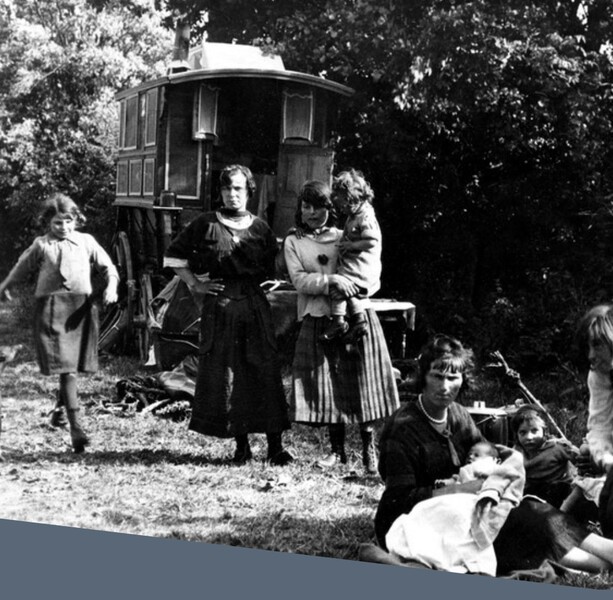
180 50
182 35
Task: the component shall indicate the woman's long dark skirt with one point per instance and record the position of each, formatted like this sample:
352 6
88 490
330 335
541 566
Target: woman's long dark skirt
238 387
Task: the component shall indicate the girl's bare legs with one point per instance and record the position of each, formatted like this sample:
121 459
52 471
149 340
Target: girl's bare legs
594 554
599 546
68 391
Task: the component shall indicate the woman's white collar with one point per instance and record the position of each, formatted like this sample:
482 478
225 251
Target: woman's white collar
242 223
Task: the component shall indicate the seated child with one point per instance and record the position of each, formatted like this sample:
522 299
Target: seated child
455 531
549 461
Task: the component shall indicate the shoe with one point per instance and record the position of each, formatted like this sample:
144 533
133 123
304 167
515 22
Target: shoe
58 418
331 460
242 455
77 435
280 459
336 330
79 440
355 333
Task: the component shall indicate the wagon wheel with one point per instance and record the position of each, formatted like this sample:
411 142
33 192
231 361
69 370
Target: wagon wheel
142 318
116 321
122 255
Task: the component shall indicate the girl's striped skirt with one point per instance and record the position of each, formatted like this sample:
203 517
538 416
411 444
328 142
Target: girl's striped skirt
335 382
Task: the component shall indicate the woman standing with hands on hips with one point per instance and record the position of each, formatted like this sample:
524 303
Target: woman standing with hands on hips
223 257
334 383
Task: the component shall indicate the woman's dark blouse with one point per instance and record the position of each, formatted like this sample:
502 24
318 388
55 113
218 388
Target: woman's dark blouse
209 247
413 455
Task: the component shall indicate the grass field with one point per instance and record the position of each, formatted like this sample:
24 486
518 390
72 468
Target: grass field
148 475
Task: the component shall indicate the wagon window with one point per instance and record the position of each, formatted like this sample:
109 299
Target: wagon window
136 177
183 155
129 122
298 115
205 112
151 101
122 178
148 176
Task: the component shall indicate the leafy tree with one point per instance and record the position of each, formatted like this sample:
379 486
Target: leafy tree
485 127
61 63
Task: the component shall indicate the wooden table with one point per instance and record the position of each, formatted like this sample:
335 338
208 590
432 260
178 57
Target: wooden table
397 317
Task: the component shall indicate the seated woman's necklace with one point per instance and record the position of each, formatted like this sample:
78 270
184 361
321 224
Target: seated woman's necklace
429 416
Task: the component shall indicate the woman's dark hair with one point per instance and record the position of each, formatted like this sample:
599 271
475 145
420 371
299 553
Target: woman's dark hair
60 204
353 184
317 194
225 177
596 325
528 413
449 355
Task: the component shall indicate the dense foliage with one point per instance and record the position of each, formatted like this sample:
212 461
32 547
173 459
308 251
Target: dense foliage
61 62
486 128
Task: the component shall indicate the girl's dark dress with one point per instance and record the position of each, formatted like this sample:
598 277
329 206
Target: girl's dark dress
238 387
413 455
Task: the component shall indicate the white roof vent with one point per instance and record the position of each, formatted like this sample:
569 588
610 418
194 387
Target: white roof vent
233 56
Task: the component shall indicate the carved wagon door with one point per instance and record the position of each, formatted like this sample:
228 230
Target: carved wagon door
296 165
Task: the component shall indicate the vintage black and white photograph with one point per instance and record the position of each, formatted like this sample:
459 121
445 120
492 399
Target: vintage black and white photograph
330 278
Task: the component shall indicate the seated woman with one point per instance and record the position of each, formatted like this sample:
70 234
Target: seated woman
454 532
430 439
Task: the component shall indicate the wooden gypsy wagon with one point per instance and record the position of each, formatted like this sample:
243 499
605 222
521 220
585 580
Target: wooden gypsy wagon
222 104
219 104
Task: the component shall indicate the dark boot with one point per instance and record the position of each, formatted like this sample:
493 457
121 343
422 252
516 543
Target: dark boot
77 435
58 417
337 444
242 454
358 328
277 455
336 329
369 452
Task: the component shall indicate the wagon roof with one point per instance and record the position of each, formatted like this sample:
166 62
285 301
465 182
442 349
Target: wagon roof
241 73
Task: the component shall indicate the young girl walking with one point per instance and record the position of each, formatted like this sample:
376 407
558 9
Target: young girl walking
65 314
